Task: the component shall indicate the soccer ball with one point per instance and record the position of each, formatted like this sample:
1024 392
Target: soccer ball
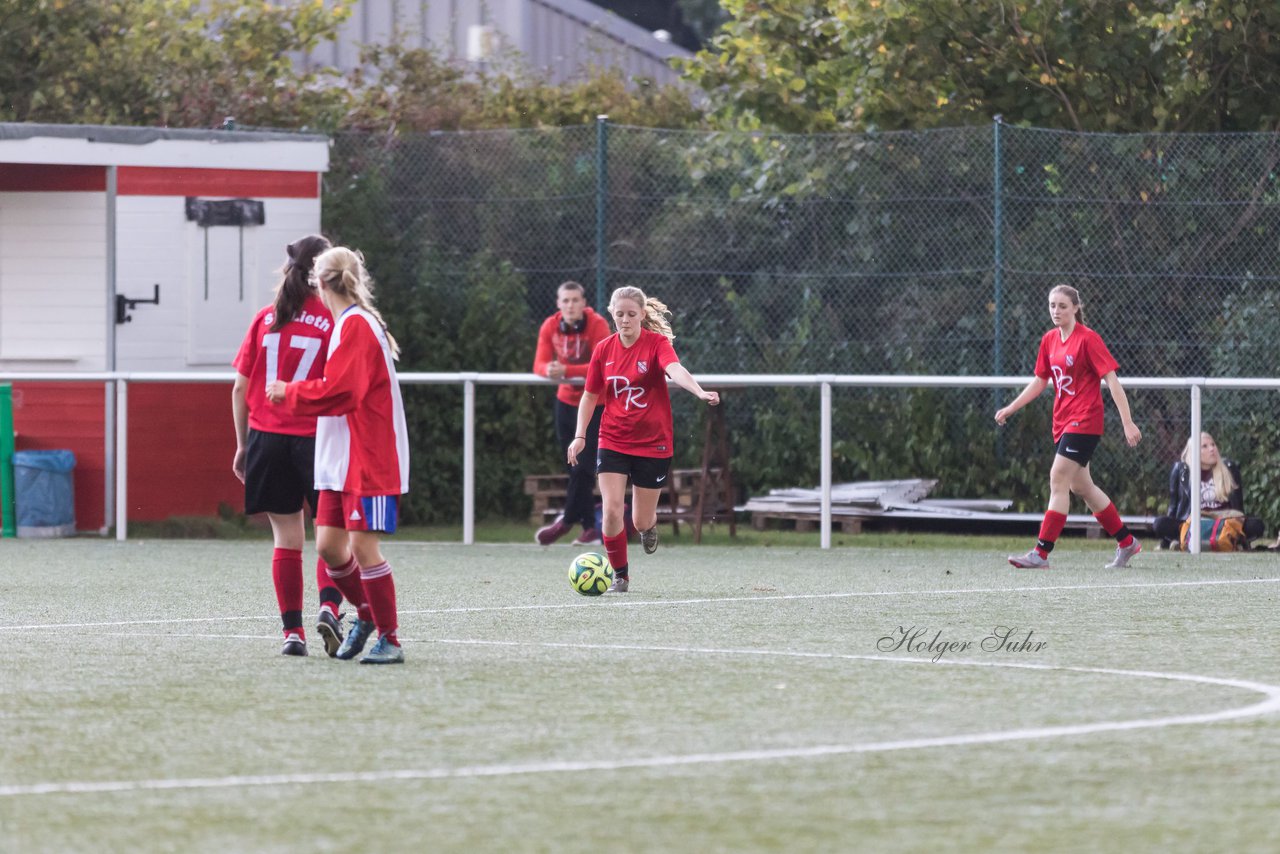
590 574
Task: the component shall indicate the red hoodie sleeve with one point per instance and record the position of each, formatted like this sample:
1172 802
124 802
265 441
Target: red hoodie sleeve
546 352
346 375
596 331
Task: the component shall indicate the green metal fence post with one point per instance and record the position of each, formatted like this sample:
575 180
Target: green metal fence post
998 260
602 207
10 527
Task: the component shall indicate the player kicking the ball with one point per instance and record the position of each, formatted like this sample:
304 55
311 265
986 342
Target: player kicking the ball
630 368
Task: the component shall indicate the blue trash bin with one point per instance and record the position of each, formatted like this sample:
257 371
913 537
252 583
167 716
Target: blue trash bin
44 493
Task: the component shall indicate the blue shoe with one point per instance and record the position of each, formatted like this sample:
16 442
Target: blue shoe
329 628
384 652
356 639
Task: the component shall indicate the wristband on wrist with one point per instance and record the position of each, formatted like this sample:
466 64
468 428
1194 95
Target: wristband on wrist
583 438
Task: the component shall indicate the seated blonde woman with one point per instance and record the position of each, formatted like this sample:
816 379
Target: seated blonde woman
1221 493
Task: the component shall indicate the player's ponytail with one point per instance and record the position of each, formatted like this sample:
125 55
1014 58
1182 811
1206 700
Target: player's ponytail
349 277
295 284
656 314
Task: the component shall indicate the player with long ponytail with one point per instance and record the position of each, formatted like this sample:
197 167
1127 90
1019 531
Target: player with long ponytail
630 369
362 452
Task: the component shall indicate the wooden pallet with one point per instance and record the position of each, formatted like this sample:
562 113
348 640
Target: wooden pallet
548 492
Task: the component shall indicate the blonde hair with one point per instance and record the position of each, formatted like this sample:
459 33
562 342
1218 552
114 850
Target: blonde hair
656 314
1224 483
347 277
1073 295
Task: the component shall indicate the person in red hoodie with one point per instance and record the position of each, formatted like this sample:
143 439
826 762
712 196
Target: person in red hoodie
629 372
362 451
565 342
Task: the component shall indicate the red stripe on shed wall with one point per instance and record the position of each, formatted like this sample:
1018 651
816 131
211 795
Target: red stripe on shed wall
49 178
174 181
181 441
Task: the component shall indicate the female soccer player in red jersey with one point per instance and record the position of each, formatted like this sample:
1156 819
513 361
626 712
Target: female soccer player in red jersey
275 450
362 452
630 368
1073 356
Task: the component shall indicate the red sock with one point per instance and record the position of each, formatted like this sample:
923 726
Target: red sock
380 588
330 595
286 573
616 547
347 579
1109 518
1050 530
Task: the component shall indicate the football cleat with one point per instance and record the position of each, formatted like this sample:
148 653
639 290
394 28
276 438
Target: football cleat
329 628
620 584
1030 560
356 639
1123 553
384 652
293 645
649 539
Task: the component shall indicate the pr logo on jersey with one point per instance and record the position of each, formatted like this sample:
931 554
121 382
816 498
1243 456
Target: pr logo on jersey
642 366
630 395
1062 382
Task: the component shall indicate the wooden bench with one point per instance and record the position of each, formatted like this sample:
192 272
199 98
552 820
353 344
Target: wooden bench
678 503
548 492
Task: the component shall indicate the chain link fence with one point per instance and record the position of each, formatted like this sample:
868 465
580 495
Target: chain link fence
906 252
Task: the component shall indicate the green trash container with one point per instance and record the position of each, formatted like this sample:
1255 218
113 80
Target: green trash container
44 493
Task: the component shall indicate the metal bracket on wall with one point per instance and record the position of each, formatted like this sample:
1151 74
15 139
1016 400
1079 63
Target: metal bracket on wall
124 303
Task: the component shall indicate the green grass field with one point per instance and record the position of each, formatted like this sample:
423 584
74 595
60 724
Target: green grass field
739 699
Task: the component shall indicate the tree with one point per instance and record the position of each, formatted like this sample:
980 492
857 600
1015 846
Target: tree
822 65
416 89
182 63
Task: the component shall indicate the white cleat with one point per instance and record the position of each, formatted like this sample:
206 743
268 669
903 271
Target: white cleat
1030 560
1124 553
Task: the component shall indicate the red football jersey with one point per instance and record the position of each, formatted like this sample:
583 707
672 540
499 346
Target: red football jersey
633 383
1075 367
296 351
362 445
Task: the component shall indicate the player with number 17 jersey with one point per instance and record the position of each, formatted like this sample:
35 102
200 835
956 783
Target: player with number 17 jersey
296 351
633 380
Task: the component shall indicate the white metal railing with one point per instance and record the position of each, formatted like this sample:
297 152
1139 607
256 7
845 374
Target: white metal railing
824 382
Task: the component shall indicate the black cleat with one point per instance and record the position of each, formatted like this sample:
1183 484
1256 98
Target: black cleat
329 628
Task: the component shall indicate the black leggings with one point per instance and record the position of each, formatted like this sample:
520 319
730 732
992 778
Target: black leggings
580 501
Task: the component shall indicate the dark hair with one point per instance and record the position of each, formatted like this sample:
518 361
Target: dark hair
295 287
572 286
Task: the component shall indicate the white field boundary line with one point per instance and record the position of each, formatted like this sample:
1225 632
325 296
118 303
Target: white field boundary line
1269 705
615 601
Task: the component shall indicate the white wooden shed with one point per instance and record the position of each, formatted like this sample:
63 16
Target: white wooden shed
96 221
